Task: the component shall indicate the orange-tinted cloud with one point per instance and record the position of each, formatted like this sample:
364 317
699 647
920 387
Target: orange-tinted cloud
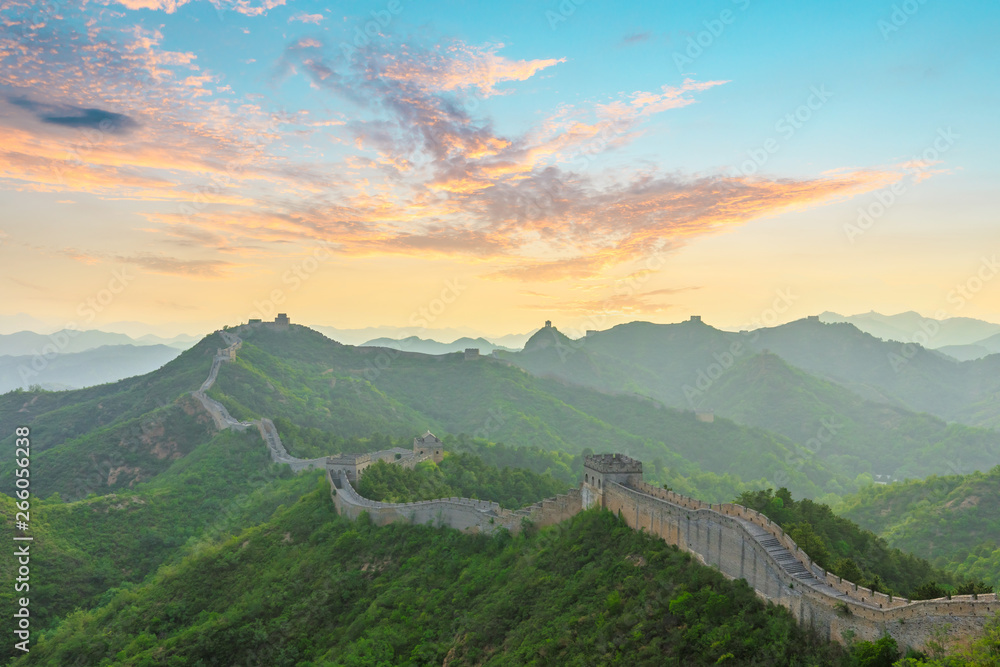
460 66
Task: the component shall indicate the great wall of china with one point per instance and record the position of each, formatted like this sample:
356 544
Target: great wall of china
740 542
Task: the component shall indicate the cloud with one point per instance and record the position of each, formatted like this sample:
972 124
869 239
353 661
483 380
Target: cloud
168 6
76 117
636 38
302 17
619 303
192 268
461 66
246 8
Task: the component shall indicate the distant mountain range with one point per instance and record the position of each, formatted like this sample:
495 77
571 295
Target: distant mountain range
841 393
74 370
385 335
960 337
70 341
69 359
427 346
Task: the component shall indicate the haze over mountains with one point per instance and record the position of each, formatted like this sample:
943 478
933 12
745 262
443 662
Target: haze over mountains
959 337
70 359
427 346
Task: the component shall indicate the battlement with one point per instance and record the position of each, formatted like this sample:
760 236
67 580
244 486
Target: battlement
349 459
613 463
350 464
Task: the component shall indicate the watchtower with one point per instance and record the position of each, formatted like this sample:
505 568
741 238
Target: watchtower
352 464
429 445
600 470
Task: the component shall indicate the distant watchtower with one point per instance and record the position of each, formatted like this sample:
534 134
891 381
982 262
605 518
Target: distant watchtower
602 469
429 445
548 324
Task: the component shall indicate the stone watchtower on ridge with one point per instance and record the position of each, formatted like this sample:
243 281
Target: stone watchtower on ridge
429 445
600 470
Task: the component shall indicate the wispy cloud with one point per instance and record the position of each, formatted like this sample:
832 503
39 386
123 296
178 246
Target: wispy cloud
636 38
302 17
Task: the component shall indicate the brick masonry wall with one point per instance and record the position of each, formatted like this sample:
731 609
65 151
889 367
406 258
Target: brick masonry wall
717 535
466 514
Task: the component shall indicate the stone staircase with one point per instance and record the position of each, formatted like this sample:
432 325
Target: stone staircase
787 561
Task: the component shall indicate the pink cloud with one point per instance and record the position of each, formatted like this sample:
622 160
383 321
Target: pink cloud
302 17
460 66
168 6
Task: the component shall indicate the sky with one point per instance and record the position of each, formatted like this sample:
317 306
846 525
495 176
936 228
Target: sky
483 167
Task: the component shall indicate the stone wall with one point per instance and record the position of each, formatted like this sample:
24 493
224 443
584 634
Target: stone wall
465 514
735 540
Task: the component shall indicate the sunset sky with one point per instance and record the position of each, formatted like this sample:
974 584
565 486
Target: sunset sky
487 166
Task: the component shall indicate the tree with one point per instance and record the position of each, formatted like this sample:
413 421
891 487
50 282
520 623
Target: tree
882 653
973 587
928 591
849 570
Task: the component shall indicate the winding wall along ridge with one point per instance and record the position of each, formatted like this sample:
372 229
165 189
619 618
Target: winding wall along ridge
224 420
741 542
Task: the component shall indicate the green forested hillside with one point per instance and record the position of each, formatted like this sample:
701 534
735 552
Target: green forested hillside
57 417
847 432
84 549
910 376
309 588
829 388
952 521
302 377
